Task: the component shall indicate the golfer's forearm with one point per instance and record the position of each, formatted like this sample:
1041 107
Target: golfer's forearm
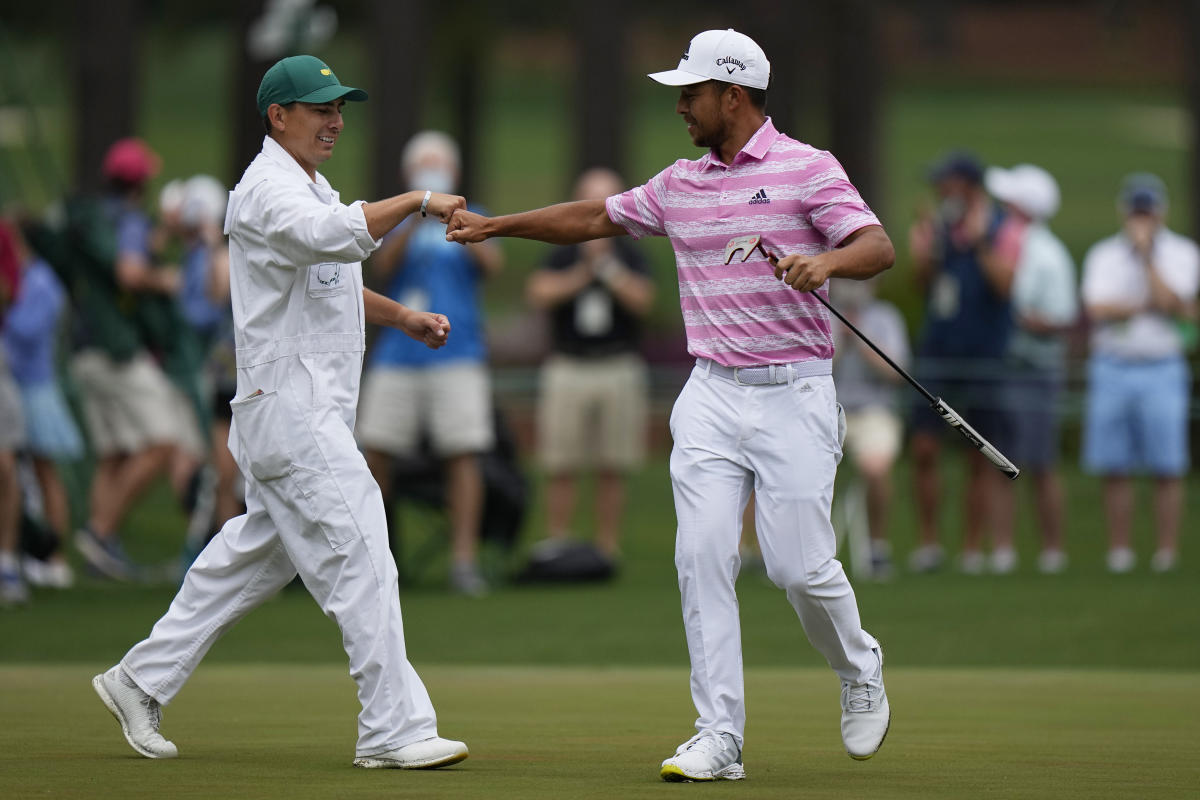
865 253
565 223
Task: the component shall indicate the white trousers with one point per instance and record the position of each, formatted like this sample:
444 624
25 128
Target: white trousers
319 513
781 441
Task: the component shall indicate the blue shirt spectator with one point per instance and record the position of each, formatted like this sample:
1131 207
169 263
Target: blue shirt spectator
434 275
195 300
31 325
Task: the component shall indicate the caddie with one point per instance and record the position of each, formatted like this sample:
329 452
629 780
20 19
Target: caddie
759 411
312 507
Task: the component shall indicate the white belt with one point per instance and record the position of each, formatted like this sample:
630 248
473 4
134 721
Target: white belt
767 374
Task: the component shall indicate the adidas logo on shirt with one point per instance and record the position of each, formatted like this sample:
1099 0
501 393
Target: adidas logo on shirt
760 197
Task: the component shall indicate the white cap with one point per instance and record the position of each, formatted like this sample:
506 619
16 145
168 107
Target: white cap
721 56
170 198
1031 189
204 200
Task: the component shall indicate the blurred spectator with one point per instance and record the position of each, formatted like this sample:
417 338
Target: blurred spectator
866 388
960 358
1138 286
205 304
1043 294
410 391
101 253
594 399
30 341
13 590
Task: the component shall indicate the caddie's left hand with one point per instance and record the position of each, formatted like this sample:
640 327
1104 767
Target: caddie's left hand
430 329
443 206
802 272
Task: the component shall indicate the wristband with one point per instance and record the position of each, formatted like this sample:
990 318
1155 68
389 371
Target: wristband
425 202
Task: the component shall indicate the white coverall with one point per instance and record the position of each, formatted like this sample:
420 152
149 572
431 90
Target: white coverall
312 506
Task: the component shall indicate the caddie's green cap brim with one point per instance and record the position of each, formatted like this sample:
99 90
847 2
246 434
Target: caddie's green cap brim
329 93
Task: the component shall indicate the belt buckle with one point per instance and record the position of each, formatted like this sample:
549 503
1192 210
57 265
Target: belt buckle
737 378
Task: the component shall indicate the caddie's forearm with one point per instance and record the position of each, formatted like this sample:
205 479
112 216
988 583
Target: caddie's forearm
380 309
865 253
383 215
564 223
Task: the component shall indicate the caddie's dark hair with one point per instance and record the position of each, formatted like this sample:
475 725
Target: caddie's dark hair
758 97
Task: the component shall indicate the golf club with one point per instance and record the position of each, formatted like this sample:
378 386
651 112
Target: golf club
748 244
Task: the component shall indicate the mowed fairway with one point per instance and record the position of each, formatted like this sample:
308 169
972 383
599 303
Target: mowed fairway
267 731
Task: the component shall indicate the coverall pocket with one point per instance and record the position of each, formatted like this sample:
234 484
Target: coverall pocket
326 280
261 432
325 507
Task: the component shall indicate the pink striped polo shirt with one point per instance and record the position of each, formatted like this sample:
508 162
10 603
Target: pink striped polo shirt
795 196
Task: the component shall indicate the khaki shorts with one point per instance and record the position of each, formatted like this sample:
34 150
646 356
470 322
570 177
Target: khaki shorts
453 404
593 412
127 406
873 434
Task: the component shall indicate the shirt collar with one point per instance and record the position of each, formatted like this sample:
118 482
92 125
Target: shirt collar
274 151
756 147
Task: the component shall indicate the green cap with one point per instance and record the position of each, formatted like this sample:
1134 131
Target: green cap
304 79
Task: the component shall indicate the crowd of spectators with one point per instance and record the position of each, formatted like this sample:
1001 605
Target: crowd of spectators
119 350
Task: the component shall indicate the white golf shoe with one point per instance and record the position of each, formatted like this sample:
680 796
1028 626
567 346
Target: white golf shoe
866 715
707 756
138 713
425 754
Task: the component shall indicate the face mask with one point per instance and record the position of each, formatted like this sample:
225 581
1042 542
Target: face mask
434 180
952 210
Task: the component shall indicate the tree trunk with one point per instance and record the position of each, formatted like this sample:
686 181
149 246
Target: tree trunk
399 31
107 39
247 74
856 93
601 99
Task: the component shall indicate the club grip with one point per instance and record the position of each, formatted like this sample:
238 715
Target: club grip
955 420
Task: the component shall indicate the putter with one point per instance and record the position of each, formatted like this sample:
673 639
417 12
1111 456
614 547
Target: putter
749 244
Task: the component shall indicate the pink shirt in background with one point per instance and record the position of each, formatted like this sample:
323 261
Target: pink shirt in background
796 197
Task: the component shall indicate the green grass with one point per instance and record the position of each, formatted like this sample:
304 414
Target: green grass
1084 619
270 731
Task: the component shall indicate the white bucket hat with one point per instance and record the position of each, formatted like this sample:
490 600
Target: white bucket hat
1031 189
721 56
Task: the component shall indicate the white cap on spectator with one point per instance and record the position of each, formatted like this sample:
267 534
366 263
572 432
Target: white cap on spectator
1031 189
170 198
721 56
204 200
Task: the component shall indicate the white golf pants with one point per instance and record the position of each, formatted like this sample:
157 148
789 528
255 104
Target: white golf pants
319 513
781 440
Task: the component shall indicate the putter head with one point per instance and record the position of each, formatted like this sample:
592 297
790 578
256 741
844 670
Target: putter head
747 244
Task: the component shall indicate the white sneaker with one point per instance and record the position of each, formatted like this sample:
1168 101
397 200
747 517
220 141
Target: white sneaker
926 558
138 713
50 574
707 756
1052 562
466 579
425 754
866 715
1163 560
1003 561
971 562
1121 560
13 591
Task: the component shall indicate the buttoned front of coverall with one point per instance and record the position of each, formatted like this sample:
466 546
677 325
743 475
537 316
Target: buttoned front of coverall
312 506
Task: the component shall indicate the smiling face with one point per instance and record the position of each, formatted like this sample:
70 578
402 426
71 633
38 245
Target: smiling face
308 131
702 107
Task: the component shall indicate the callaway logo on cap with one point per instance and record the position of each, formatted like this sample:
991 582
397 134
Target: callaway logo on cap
723 56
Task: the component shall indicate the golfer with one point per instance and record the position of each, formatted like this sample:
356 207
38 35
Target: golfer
759 411
312 508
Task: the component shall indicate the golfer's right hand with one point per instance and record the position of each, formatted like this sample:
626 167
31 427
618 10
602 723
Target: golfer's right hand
466 226
443 206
